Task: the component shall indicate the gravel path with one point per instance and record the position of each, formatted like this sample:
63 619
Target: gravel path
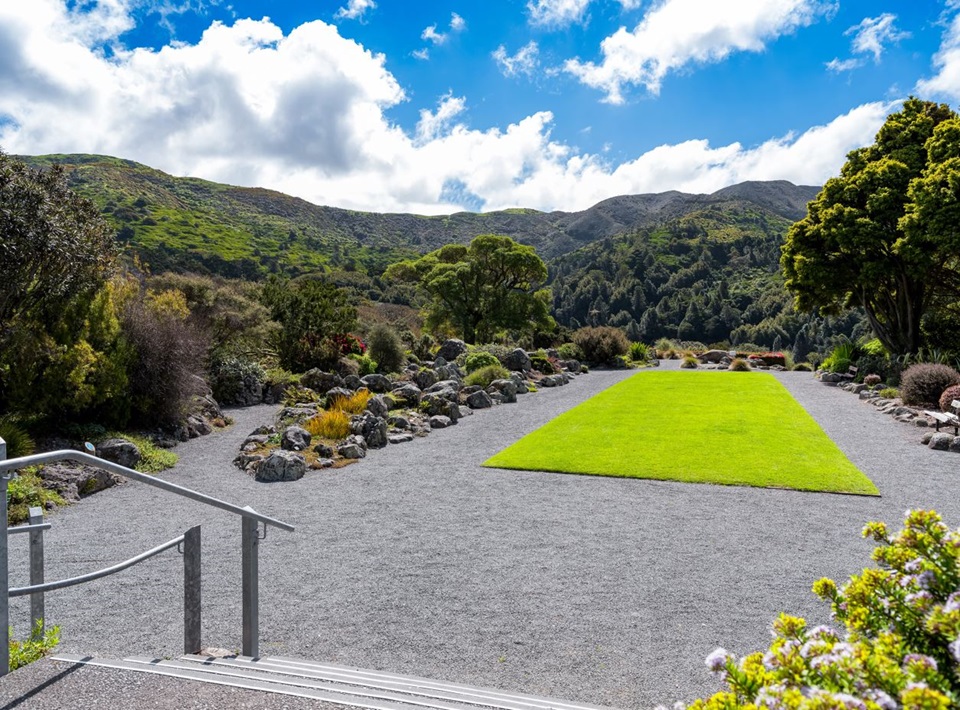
419 561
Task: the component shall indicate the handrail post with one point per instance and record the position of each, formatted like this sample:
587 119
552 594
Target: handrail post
191 590
250 585
4 571
36 571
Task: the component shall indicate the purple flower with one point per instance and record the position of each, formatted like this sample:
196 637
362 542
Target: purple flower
926 579
955 649
912 566
882 699
917 659
717 660
821 630
953 603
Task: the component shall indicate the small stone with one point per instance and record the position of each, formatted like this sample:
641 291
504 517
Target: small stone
324 450
440 421
925 439
400 438
351 451
941 442
921 422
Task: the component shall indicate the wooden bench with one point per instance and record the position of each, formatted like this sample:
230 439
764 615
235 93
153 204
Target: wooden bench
947 418
851 373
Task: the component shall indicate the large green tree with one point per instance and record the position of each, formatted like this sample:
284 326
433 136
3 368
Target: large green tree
492 284
867 242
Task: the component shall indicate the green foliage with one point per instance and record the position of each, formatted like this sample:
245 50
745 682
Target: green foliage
889 393
366 365
18 440
949 394
230 376
485 375
689 362
386 348
738 364
331 424
153 458
27 491
897 647
479 358
923 383
802 367
491 285
569 351
601 345
878 235
40 643
841 357
311 313
873 347
639 352
295 394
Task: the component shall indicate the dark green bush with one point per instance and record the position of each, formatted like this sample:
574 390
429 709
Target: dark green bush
479 358
570 351
386 348
15 435
485 375
230 376
923 383
602 344
543 364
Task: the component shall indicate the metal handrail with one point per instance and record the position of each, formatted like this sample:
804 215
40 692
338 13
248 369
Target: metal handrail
83 457
89 577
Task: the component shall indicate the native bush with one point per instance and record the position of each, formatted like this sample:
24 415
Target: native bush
899 645
841 357
543 364
802 367
485 375
923 383
569 351
19 443
739 365
639 352
366 365
26 491
871 380
354 404
949 394
479 358
386 348
689 362
231 376
601 344
329 424
889 393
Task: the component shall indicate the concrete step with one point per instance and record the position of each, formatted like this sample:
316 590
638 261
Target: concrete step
331 683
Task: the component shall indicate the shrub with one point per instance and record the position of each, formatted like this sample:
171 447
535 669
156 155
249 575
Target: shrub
949 394
772 359
898 646
26 491
689 362
496 349
841 357
639 352
294 394
485 375
231 376
354 404
543 364
803 367
153 459
366 365
739 365
329 424
601 344
39 644
18 440
479 358
386 348
570 351
889 393
923 383
871 380
664 344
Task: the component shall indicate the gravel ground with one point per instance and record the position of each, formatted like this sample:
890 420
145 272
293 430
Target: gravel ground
419 561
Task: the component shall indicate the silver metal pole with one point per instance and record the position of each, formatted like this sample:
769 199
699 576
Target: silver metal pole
191 590
36 570
4 570
250 586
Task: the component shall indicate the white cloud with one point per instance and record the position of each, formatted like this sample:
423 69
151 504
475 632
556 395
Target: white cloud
946 82
870 36
421 54
306 113
430 34
676 33
525 61
355 9
557 12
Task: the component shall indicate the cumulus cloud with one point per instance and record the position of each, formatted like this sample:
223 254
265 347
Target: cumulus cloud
355 9
525 61
306 112
677 33
946 82
871 36
430 34
560 12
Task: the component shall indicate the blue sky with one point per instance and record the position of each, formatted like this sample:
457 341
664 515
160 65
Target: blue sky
434 107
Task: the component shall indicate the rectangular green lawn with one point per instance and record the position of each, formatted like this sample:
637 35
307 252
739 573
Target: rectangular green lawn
731 428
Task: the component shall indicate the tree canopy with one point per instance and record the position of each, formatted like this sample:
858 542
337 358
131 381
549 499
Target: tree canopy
879 236
492 284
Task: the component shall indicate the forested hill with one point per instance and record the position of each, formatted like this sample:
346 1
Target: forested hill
711 275
192 224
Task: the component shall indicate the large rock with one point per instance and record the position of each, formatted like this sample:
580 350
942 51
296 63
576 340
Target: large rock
941 442
373 429
425 378
449 373
319 381
439 421
295 438
281 466
452 349
197 426
444 386
377 406
517 360
407 394
119 451
74 481
479 400
714 356
335 393
354 447
507 389
376 383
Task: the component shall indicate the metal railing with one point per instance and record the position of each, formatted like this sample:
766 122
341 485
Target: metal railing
190 542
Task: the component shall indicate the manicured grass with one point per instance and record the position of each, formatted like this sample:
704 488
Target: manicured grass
733 428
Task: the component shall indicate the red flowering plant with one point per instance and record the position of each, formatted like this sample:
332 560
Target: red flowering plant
349 344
